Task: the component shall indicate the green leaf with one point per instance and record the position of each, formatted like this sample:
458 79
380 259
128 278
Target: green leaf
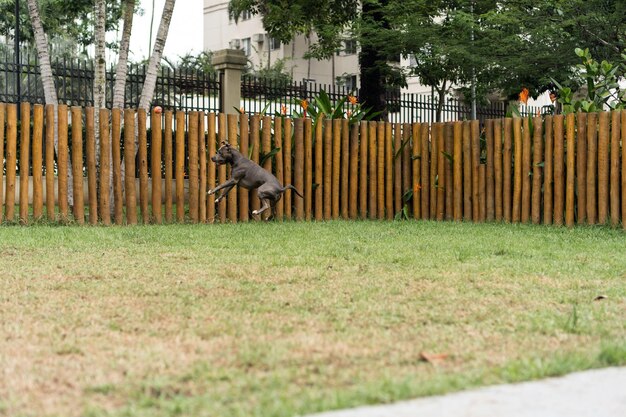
270 154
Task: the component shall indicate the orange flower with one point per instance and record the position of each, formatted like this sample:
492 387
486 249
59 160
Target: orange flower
283 110
352 100
349 113
304 104
523 95
416 188
241 110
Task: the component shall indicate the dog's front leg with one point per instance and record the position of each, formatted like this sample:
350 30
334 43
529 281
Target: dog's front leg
230 183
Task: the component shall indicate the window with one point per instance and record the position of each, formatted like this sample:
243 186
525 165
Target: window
246 15
246 45
351 82
349 47
274 44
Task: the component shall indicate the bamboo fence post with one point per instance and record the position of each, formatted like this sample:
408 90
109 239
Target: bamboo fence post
25 160
328 167
192 146
62 161
592 166
2 127
233 121
92 173
570 167
211 167
180 166
475 144
244 148
363 147
143 164
497 168
467 172
490 173
373 160
558 169
49 161
425 165
155 150
449 180
406 162
526 170
518 170
389 170
345 167
623 132
380 169
507 169
434 168
615 168
105 166
417 170
255 140
319 169
536 169
482 196
336 167
116 157
77 165
603 167
581 166
397 168
441 172
222 128
308 169
299 165
372 171
548 171
287 164
37 161
266 148
202 170
354 171
11 161
168 165
458 170
129 166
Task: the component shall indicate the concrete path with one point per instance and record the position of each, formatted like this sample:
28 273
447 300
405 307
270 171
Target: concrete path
595 393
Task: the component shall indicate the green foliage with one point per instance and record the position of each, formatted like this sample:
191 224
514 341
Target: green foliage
602 87
63 21
276 73
342 109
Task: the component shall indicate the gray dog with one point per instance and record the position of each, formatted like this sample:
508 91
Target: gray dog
249 175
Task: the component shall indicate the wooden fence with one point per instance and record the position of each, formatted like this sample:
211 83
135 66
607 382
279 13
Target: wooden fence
558 170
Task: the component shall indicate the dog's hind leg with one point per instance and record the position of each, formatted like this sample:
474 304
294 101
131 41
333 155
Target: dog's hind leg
263 208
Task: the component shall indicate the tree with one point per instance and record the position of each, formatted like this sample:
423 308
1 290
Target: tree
330 20
155 58
122 63
99 80
61 19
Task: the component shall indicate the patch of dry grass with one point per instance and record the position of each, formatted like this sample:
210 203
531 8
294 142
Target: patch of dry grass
281 319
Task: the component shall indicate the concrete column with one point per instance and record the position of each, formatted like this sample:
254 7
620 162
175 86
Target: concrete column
230 63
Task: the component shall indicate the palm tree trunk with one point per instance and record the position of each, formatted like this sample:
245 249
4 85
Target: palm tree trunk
99 81
47 79
155 58
122 63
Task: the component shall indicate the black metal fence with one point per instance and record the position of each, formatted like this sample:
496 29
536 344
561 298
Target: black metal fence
275 97
175 89
191 90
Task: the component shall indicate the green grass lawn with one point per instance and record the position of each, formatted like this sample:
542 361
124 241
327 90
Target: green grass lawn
292 318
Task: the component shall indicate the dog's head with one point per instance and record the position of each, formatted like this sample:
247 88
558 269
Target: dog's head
224 154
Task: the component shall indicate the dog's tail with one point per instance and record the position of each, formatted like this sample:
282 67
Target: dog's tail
291 187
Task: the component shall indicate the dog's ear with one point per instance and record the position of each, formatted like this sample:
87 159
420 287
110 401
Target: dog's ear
223 143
